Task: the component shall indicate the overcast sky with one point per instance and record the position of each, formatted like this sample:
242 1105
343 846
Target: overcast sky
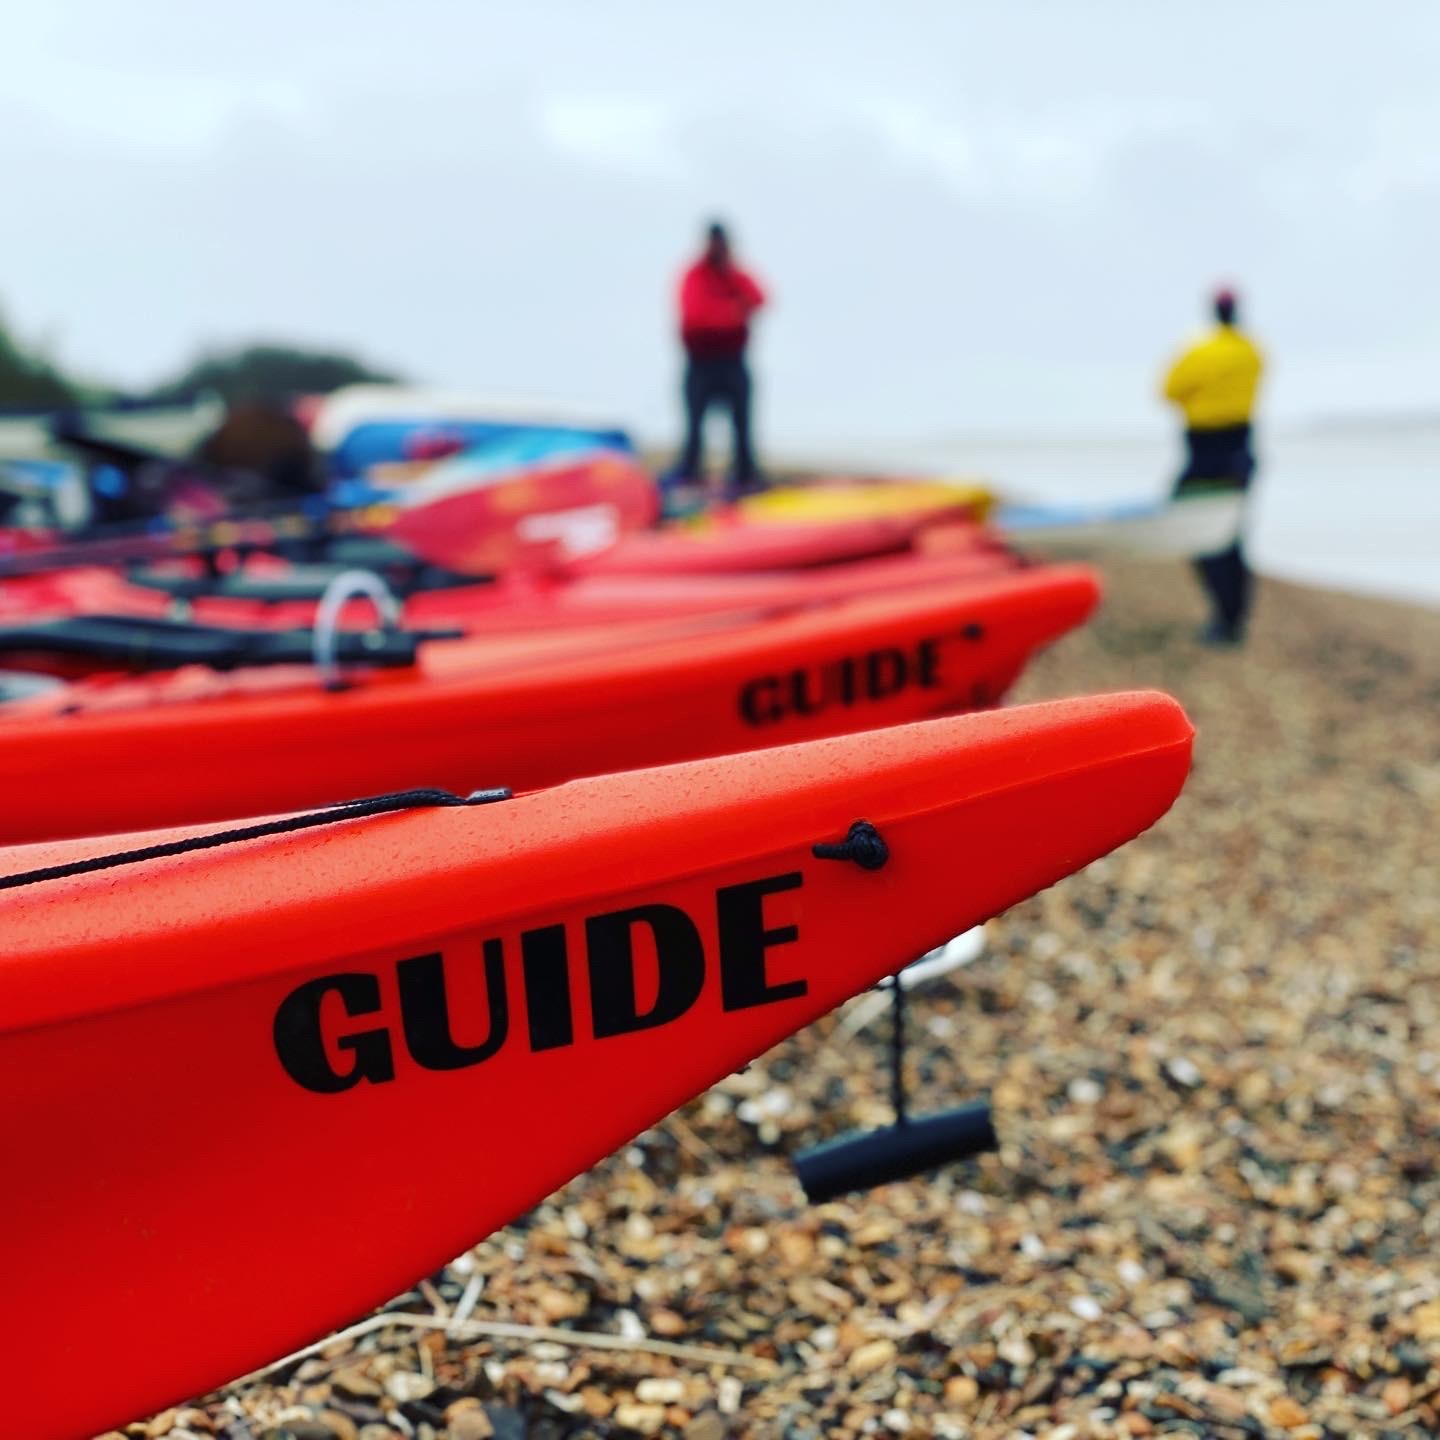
972 217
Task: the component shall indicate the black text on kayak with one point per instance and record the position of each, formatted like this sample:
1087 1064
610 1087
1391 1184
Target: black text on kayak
326 1057
854 679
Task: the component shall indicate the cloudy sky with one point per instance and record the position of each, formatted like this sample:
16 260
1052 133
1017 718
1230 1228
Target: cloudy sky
989 217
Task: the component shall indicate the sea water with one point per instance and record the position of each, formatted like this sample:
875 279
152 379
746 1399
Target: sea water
1354 506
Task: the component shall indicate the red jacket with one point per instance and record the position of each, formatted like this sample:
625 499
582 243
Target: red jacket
716 303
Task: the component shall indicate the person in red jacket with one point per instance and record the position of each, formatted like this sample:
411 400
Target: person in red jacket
717 300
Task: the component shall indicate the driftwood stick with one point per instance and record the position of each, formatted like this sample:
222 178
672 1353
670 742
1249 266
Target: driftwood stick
506 1330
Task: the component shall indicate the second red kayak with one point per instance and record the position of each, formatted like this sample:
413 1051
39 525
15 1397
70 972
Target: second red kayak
103 755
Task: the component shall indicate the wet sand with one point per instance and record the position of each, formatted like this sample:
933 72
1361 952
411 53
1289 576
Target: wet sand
1215 1064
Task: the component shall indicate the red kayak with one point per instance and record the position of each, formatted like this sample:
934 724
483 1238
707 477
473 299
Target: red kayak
111 754
730 545
261 594
473 1001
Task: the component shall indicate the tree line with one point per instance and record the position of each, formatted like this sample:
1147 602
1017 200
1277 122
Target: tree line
30 380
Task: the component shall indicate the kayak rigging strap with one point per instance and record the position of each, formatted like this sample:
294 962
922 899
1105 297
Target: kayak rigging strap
302 581
143 644
347 810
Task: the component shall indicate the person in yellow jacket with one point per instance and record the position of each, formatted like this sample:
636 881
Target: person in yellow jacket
1214 384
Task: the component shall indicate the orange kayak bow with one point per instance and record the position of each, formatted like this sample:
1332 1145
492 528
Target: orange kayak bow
569 965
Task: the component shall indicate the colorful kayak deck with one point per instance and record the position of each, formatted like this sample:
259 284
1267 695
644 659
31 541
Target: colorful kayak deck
565 967
843 498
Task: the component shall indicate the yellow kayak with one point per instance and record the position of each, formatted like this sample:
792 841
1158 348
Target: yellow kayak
863 499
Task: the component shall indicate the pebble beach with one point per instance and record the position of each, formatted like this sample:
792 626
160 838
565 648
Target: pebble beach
1214 1061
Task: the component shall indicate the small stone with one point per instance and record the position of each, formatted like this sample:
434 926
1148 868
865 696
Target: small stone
1240 1377
1396 1395
1134 1423
1184 1071
656 1390
467 1420
596 1402
796 1247
877 1232
558 1304
469 1425
1183 1145
962 1391
643 1419
1131 1272
1287 1413
1243 1298
1016 1350
870 1357
667 1323
356 1384
341 1426
896 1421
1085 1091
1086 1307
728 1394
751 1240
162 1424
1412 1359
706 1426
407 1385
551 1372
1296 1266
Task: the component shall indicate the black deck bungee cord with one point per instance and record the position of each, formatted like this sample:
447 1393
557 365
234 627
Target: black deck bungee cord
346 810
864 845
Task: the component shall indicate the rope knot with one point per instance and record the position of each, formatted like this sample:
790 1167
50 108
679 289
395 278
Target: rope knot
864 845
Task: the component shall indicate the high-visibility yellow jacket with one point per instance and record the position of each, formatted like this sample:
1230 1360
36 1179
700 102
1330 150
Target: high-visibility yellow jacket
1215 380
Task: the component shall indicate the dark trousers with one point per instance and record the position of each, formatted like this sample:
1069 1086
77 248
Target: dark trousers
724 382
1226 577
1221 459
